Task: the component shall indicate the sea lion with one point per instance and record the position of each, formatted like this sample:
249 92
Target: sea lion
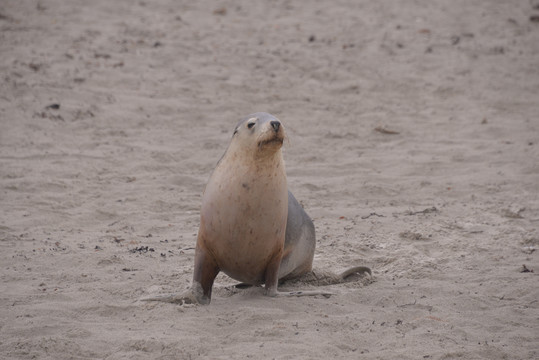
251 227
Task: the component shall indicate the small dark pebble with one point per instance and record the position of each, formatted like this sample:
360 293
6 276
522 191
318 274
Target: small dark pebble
34 67
53 106
312 38
220 11
101 55
534 18
142 249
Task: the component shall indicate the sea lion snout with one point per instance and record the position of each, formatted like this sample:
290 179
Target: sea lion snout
270 132
275 125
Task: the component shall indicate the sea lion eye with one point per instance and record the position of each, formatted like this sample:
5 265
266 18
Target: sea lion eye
250 125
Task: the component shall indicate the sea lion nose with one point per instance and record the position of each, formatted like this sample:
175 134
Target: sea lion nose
275 125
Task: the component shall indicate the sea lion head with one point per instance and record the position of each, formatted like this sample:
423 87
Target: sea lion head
260 133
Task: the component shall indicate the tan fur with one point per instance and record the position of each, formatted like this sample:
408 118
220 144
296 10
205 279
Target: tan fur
244 210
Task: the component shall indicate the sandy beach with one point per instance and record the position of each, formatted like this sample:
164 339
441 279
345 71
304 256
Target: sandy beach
413 143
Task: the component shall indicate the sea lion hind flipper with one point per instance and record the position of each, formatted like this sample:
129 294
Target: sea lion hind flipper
355 270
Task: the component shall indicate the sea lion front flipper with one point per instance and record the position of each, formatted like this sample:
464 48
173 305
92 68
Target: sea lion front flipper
304 293
204 274
272 274
187 297
195 295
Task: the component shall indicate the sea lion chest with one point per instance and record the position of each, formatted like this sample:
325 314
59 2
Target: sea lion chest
243 215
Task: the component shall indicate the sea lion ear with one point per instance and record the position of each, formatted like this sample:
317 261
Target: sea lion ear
235 131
